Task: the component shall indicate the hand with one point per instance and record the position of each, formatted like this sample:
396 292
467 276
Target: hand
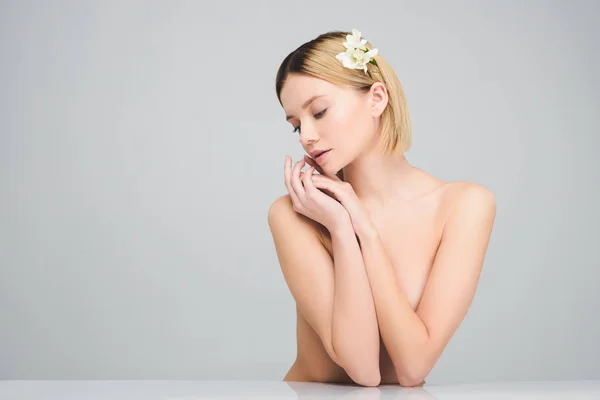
339 176
308 200
344 193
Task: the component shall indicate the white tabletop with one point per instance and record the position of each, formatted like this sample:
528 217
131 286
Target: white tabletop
191 390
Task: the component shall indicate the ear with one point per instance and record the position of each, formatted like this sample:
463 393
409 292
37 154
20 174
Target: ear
379 98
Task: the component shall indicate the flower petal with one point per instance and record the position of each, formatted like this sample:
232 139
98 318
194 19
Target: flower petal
371 53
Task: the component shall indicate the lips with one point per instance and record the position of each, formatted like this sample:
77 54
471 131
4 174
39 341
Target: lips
320 157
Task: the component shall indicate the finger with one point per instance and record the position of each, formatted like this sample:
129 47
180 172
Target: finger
326 178
319 169
304 172
286 172
325 183
307 179
314 164
288 182
295 179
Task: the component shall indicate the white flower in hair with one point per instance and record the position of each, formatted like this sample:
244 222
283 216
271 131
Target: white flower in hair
355 56
354 41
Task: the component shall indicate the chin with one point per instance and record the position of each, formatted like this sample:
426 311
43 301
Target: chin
332 172
329 170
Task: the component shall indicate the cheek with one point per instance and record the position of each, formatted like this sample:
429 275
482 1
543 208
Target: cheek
344 121
350 122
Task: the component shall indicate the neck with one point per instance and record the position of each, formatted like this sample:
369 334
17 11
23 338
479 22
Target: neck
379 179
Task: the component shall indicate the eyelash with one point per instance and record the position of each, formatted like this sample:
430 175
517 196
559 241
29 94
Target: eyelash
317 116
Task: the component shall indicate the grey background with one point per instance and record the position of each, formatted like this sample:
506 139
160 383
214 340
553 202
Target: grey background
142 145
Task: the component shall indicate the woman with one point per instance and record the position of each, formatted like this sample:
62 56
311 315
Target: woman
381 258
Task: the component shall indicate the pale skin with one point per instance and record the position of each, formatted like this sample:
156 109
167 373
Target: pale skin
382 264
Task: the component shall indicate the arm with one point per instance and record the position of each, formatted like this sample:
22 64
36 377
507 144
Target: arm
355 330
415 340
339 306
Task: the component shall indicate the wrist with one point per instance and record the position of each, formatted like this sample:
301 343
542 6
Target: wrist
341 225
367 232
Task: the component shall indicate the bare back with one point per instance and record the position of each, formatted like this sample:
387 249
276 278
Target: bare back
410 232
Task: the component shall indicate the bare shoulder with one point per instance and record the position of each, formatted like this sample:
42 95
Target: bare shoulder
282 211
468 197
473 193
282 207
453 191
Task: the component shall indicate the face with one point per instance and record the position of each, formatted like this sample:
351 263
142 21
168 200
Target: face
342 120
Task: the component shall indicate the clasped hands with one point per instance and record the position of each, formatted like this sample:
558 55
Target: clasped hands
325 199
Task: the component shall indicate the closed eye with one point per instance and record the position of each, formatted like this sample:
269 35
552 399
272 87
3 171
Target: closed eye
317 116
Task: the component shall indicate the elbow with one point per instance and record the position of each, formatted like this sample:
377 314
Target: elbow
362 369
364 372
410 380
413 373
366 378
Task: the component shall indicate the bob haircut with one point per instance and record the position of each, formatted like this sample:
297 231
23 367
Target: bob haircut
316 58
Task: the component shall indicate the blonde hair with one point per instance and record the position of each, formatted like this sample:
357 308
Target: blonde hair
317 58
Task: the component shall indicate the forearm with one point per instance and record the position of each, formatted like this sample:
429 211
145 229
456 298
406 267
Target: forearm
355 334
402 331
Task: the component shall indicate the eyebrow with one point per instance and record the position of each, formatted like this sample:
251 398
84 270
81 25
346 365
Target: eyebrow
306 104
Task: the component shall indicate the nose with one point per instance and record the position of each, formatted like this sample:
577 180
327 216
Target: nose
308 135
